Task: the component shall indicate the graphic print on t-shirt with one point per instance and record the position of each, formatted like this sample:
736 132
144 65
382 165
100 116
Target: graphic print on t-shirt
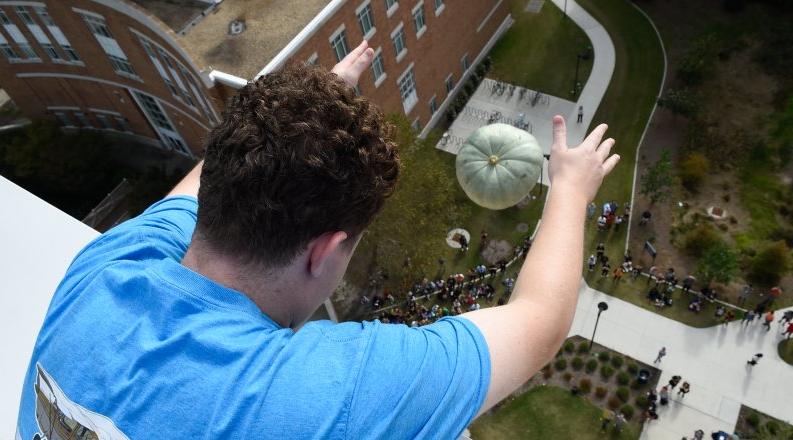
59 418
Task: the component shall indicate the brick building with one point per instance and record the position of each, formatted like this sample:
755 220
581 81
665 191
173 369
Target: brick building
103 65
114 65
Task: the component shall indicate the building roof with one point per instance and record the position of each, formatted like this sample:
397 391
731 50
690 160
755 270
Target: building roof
269 26
175 13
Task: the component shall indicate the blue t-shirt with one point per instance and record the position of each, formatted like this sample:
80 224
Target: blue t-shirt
135 345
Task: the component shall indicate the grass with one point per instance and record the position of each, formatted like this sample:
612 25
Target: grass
539 51
786 350
548 413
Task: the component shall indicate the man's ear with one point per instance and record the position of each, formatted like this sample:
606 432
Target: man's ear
322 248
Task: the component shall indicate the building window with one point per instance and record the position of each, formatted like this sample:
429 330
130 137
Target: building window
366 20
60 38
449 83
313 59
71 54
378 71
64 119
7 50
24 15
407 88
104 121
433 105
4 19
51 52
439 7
109 44
398 37
83 120
123 123
27 50
154 111
419 20
45 16
464 62
391 7
339 44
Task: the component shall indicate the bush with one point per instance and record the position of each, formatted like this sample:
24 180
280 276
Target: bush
642 402
753 419
693 170
633 368
772 427
627 411
604 357
577 363
681 102
617 361
770 264
560 364
600 392
569 347
623 393
547 372
623 378
606 371
585 385
700 239
591 365
583 347
635 384
613 402
567 376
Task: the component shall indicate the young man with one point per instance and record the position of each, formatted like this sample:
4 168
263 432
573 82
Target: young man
183 322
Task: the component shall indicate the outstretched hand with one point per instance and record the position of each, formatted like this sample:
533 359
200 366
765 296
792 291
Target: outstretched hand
352 66
581 169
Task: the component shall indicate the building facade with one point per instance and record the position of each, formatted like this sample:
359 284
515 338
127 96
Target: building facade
103 65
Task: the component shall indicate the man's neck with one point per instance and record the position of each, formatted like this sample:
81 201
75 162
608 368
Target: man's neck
267 292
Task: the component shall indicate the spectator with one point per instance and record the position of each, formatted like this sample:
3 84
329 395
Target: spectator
684 389
748 317
769 318
664 394
590 210
661 354
789 331
600 251
744 295
618 272
604 271
617 223
591 262
729 316
674 381
688 283
756 358
646 216
786 317
637 270
602 223
720 310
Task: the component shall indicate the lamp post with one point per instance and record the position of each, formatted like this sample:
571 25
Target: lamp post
602 307
565 8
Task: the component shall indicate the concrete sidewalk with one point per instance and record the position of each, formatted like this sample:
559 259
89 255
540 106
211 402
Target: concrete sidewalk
712 360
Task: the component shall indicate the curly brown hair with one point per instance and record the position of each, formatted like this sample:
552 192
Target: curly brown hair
296 155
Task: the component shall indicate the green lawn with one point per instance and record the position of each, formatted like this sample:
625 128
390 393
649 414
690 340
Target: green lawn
546 413
539 51
786 350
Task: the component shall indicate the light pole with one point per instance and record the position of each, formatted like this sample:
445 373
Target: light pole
602 307
565 8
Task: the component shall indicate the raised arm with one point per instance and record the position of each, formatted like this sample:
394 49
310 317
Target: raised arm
349 69
526 333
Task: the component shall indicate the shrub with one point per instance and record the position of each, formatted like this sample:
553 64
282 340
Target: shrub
569 347
585 385
567 376
700 239
606 371
693 170
719 263
635 384
772 427
623 378
577 363
642 402
547 373
613 402
633 368
600 392
591 365
623 393
604 357
753 419
560 364
627 410
770 264
681 102
617 361
583 347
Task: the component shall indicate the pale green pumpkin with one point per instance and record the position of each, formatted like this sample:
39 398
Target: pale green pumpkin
499 165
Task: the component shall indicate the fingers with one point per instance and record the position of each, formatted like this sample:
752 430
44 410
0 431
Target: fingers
610 163
593 140
361 63
352 56
350 68
605 148
559 133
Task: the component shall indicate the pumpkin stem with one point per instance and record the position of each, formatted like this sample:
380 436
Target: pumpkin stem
493 159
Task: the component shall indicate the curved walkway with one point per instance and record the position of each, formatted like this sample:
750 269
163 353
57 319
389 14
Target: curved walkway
712 360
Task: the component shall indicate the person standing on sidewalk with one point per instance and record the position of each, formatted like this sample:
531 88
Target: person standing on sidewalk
756 358
591 262
664 394
600 250
786 317
729 316
661 354
684 389
788 331
674 381
580 114
748 317
769 318
744 295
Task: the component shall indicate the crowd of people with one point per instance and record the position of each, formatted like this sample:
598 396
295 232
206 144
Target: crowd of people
456 294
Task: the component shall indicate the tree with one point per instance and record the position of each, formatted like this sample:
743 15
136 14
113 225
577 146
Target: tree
718 263
680 102
656 183
770 263
693 170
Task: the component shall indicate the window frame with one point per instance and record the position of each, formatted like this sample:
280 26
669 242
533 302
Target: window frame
399 32
365 10
418 13
341 35
378 60
409 99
